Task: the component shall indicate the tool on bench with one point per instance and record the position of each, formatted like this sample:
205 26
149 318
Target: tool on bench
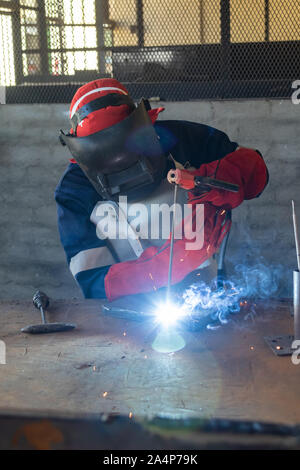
41 302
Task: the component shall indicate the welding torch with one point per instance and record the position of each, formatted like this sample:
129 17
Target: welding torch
187 180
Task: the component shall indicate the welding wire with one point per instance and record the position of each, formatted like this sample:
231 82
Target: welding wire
172 243
296 235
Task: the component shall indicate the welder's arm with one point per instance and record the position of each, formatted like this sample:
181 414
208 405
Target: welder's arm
88 257
244 167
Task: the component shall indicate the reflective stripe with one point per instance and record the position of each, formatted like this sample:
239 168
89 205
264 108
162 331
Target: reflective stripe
126 249
90 259
94 91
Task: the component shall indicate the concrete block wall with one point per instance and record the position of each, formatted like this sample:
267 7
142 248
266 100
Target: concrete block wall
32 161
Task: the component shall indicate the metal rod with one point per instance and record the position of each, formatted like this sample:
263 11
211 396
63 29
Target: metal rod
267 20
296 279
172 243
296 235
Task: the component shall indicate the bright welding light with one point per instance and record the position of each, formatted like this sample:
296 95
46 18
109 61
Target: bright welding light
168 314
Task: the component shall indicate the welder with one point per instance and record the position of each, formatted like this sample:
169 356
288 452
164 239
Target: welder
120 149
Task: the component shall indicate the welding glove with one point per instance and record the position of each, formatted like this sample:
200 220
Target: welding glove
244 167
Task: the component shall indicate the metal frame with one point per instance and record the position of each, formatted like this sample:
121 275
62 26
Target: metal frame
213 77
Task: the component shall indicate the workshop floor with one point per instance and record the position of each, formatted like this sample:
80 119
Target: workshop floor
108 365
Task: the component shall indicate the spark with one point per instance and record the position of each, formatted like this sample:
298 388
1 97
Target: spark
104 394
130 414
124 334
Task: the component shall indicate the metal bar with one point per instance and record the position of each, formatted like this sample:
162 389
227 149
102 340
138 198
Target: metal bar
61 50
296 279
172 244
10 5
17 41
25 7
59 22
43 37
101 19
225 42
267 20
201 12
223 246
295 224
140 22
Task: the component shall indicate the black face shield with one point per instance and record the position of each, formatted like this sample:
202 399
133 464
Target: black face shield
124 159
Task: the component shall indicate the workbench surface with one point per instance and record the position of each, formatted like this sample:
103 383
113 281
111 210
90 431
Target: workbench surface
108 365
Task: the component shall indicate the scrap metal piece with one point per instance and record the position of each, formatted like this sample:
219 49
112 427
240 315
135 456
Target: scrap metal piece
281 345
44 328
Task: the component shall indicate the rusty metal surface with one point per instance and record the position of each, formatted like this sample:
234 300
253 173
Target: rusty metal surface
107 366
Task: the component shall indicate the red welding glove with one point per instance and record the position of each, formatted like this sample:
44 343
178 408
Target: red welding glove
150 271
244 167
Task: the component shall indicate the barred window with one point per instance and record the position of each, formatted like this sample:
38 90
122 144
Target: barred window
172 49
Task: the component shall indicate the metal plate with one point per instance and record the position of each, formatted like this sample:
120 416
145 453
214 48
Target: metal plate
280 344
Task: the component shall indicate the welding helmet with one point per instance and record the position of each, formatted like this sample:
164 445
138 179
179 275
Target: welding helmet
114 141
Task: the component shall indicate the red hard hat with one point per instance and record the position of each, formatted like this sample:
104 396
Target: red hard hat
101 118
105 117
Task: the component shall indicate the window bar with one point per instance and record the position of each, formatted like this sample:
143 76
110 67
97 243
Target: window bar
42 28
101 19
17 41
140 22
267 20
225 45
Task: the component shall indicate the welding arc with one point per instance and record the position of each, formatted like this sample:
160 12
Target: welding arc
296 234
172 244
